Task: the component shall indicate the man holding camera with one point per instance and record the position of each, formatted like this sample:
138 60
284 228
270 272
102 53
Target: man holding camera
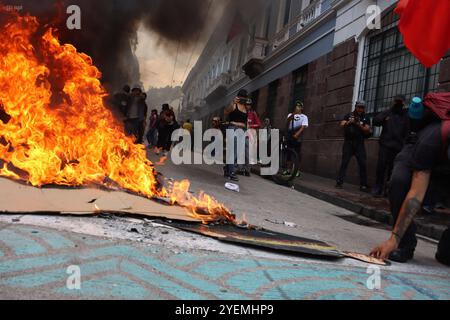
357 129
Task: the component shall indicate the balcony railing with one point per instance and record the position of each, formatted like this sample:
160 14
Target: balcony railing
306 17
223 80
257 49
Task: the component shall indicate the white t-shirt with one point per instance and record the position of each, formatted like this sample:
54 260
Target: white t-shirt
300 120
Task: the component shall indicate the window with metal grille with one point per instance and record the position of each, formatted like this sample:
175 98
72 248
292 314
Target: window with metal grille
390 69
300 83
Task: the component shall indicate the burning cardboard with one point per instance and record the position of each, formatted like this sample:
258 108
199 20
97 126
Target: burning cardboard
56 130
16 198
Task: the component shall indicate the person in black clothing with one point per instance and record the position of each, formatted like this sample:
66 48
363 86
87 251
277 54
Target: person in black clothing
167 124
395 129
357 129
143 114
122 100
414 170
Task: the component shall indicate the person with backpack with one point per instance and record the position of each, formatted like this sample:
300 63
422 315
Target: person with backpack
427 148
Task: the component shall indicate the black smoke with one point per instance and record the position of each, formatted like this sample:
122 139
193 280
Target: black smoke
109 29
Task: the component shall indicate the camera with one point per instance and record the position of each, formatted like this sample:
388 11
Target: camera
242 100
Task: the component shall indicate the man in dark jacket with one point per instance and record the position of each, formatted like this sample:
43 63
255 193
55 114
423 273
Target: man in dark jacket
395 129
357 128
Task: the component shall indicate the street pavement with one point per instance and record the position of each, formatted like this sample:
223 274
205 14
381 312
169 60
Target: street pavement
125 258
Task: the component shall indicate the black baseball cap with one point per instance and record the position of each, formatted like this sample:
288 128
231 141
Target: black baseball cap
242 93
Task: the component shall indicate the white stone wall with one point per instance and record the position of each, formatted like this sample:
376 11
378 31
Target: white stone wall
351 18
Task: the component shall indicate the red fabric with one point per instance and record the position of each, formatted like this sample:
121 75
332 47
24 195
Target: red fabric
425 26
253 121
439 103
401 7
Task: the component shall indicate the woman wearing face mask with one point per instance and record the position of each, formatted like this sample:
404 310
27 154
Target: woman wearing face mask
395 130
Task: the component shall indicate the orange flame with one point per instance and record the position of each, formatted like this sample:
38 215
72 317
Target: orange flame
60 131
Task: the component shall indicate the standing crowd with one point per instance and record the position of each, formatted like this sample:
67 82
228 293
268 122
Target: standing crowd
133 109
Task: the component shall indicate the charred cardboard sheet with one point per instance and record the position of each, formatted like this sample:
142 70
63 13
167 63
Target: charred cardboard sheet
262 239
271 240
20 198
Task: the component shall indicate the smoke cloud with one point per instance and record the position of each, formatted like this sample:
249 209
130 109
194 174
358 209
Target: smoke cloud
109 29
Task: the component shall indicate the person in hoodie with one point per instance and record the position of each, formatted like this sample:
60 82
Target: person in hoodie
395 130
417 167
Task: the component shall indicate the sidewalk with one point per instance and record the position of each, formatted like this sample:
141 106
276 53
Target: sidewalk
352 199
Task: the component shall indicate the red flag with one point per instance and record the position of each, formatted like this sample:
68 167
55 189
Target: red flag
425 25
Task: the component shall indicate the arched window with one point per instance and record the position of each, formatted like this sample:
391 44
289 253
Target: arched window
389 69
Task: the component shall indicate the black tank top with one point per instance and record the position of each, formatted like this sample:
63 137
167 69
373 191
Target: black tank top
238 116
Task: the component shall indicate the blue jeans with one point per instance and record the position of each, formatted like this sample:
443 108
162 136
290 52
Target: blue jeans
230 169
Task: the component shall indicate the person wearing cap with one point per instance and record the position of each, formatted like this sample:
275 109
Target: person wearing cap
416 167
356 129
297 123
237 116
395 130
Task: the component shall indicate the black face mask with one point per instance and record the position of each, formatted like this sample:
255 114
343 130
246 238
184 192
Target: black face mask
417 125
398 107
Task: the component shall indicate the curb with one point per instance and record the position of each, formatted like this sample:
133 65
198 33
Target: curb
382 216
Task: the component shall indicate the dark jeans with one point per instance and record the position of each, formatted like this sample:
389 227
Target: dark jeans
296 145
357 149
165 136
141 132
386 158
134 127
152 136
400 185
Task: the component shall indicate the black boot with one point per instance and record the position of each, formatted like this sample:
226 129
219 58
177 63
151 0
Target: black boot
443 253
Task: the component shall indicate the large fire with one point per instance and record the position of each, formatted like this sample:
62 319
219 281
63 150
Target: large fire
58 129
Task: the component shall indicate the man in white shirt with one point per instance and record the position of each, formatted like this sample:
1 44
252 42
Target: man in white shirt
297 123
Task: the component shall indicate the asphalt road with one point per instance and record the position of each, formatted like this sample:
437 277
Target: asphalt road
123 258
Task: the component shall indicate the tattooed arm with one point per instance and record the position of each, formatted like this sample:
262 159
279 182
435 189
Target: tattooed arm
411 206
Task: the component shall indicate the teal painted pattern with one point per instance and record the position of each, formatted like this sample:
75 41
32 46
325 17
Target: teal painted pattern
35 260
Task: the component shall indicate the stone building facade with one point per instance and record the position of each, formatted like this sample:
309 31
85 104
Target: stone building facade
323 53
